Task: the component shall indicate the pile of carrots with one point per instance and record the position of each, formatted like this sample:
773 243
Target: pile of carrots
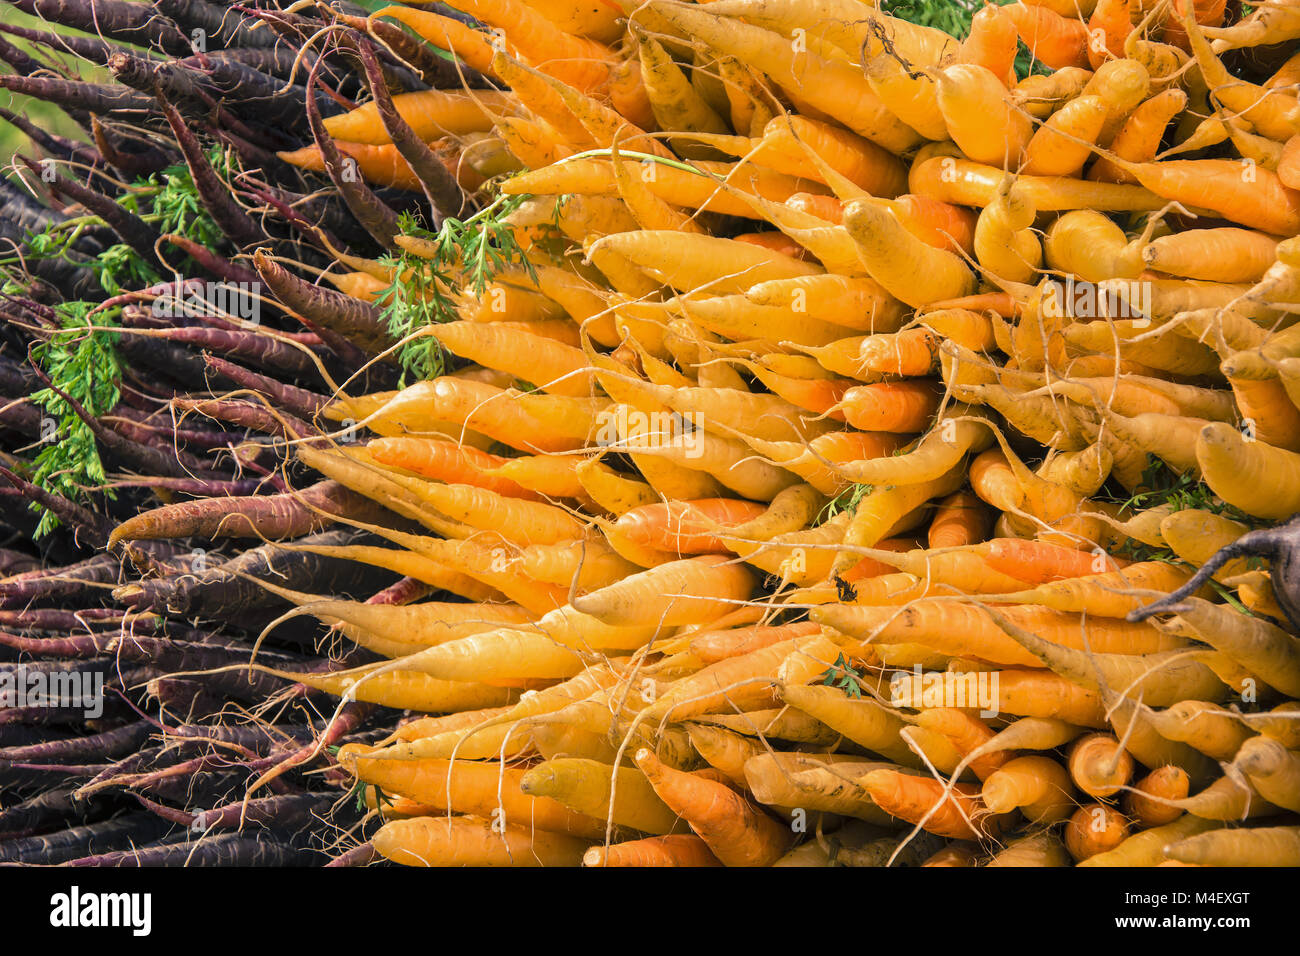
844 474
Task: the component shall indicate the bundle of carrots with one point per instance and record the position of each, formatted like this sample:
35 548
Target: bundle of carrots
838 450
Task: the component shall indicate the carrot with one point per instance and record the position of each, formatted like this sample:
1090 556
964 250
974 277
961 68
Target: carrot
825 785
960 629
695 190
447 461
1263 846
1265 109
1060 146
1217 184
688 262
1038 562
1273 770
743 681
1004 242
676 104
1094 828
1162 677
1253 476
1288 166
1060 42
738 833
957 814
1220 255
1138 140
686 527
1146 848
1144 802
964 182
480 789
861 111
1108 27
967 733
675 850
788 139
1263 401
585 785
991 43
473 841
967 92
864 721
958 520
675 593
897 407
1038 786
1098 766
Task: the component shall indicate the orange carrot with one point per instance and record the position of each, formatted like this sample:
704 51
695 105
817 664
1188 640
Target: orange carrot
735 829
687 527
678 849
960 816
1039 562
898 407
959 519
1056 40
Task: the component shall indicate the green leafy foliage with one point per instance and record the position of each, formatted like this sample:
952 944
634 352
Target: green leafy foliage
83 364
1163 486
847 500
468 254
843 675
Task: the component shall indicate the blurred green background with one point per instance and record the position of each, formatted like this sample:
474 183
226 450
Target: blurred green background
42 114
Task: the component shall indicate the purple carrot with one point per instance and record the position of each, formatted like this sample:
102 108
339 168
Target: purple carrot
159 422
362 855
358 322
223 27
349 718
102 837
133 230
224 591
224 849
226 213
217 265
94 49
102 99
110 743
440 187
15 562
404 591
296 401
62 583
249 415
144 457
43 774
142 162
82 646
259 348
45 809
375 217
284 812
271 517
115 19
62 148
93 528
